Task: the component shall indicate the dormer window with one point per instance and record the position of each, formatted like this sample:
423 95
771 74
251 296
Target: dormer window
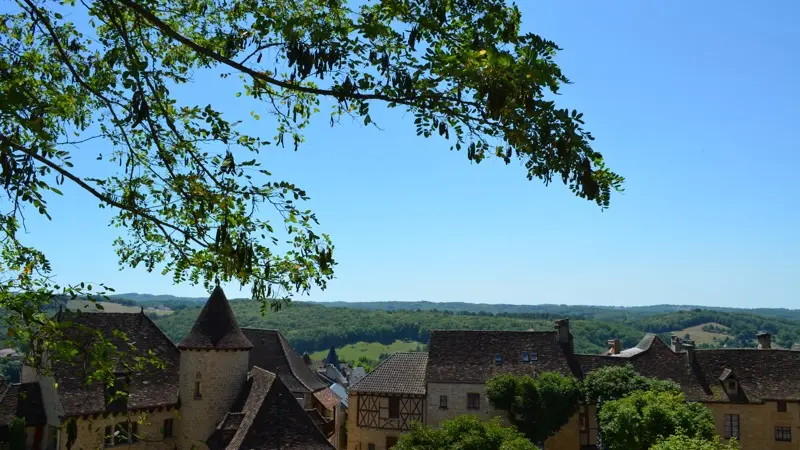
526 357
498 359
731 385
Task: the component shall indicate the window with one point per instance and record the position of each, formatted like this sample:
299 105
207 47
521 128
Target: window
394 407
168 428
370 446
526 357
197 395
731 426
783 434
109 436
498 359
121 433
391 441
781 406
473 401
534 357
731 385
443 402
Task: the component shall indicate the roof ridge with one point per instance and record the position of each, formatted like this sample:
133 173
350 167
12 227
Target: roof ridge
164 335
289 352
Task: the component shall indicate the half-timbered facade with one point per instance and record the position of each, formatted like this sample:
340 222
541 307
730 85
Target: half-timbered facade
388 402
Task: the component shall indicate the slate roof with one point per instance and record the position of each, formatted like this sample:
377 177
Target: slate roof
340 391
653 358
763 374
401 373
150 388
271 352
267 416
216 327
469 356
21 400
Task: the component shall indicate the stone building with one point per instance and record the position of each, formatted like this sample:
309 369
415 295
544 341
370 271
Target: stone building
208 394
754 394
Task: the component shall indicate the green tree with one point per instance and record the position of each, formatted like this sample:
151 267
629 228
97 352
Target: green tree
10 369
644 418
465 432
682 442
185 182
537 407
615 382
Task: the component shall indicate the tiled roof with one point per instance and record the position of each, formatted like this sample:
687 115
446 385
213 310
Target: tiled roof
327 398
763 374
267 416
401 373
271 352
21 400
216 327
653 358
469 356
151 388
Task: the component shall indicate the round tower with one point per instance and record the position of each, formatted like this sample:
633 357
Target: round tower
213 372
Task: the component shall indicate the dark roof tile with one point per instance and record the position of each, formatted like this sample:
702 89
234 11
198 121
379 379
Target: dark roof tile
21 400
271 352
151 388
216 327
469 356
401 373
267 416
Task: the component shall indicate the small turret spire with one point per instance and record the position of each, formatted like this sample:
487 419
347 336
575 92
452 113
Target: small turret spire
216 327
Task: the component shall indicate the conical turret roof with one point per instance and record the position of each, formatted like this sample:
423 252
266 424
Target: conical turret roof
216 327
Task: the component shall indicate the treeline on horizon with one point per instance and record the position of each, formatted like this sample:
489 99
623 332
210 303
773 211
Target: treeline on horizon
313 326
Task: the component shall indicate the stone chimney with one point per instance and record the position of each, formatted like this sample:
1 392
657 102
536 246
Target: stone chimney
614 346
562 325
764 341
676 343
688 347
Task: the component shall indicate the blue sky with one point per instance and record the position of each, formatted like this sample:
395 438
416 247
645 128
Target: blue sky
693 102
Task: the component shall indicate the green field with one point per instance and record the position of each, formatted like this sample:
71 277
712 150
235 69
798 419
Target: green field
372 350
703 337
87 306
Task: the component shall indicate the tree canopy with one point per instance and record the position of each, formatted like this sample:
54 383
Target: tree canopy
185 182
537 407
465 432
645 418
682 442
615 382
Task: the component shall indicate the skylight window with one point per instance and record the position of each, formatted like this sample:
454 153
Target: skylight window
498 359
526 357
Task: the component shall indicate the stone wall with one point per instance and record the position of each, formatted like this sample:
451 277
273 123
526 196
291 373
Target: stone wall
222 375
757 424
457 402
91 432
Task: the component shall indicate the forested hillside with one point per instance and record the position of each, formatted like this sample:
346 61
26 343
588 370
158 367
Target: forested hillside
313 326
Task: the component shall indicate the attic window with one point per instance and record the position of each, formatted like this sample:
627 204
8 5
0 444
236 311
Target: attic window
526 357
498 359
731 385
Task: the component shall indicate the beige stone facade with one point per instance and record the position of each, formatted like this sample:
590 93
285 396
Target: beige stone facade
757 423
93 431
218 378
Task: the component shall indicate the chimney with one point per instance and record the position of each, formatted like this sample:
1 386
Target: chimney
614 346
676 344
564 336
688 346
764 341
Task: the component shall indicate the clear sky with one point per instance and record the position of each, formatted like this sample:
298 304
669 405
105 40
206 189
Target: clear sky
693 102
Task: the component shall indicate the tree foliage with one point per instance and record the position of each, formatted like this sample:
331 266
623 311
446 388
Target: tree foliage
615 382
465 432
184 179
537 407
645 418
682 442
